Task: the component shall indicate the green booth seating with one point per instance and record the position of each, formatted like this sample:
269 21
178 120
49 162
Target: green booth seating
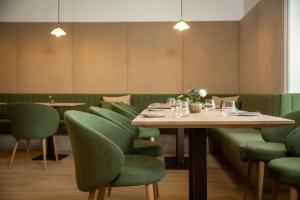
102 156
287 170
231 142
139 101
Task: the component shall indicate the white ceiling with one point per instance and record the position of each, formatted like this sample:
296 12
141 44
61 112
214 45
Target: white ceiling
122 10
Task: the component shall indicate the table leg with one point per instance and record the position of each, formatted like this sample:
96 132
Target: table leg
198 164
179 162
50 151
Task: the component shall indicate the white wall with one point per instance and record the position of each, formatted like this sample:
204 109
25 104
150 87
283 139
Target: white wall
120 10
248 5
294 46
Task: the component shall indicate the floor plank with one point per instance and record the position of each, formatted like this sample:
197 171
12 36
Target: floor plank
28 181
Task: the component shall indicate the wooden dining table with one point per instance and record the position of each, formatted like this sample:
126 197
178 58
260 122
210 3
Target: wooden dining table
50 145
196 125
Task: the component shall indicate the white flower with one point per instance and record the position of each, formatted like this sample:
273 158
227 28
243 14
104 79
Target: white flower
202 93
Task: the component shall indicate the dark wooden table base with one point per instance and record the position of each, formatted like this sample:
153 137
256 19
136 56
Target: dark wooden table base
50 152
179 162
173 163
197 164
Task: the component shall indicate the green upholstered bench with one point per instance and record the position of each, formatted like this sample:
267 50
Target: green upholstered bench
230 142
140 101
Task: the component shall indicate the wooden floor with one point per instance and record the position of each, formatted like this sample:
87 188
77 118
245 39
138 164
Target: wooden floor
28 181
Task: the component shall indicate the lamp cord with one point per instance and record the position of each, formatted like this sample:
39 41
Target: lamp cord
58 12
181 9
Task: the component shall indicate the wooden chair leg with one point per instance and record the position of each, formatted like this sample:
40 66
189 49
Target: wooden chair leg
156 190
149 192
55 149
261 174
27 150
294 195
247 179
101 193
109 191
275 186
91 195
152 139
13 154
44 152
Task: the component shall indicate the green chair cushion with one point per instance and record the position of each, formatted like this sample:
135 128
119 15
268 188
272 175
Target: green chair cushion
236 139
139 170
148 148
148 132
285 170
265 151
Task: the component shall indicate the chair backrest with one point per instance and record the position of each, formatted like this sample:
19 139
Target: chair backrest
293 142
279 134
116 118
131 108
121 109
32 120
98 149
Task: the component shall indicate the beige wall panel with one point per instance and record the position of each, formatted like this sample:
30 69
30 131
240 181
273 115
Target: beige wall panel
100 58
154 58
248 53
45 62
270 48
8 57
211 56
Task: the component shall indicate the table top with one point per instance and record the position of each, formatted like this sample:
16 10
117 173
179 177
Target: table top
62 104
3 104
208 119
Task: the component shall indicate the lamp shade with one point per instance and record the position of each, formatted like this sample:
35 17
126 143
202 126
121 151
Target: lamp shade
181 25
58 32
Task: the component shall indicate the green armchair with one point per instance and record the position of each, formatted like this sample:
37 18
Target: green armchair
273 147
143 132
287 170
123 110
31 121
143 147
102 156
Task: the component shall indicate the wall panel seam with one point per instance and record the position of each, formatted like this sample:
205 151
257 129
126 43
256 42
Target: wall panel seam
127 57
72 60
182 62
18 57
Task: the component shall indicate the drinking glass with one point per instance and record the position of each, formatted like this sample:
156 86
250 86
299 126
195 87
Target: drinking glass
228 108
181 109
210 104
171 102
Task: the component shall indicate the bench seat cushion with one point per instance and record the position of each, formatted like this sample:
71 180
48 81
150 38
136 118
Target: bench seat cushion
265 151
236 138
